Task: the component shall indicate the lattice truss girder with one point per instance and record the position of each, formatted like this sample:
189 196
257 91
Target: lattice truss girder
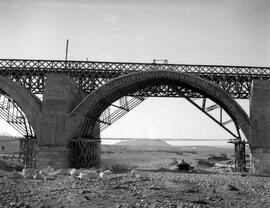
235 80
12 114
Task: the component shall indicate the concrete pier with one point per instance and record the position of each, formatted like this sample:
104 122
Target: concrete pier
57 157
60 97
260 116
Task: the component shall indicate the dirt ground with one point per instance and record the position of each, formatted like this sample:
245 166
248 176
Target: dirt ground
154 183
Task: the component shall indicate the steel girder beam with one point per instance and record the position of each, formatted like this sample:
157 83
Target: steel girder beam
219 121
90 75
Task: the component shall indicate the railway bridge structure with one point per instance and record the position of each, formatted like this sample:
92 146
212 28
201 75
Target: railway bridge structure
62 106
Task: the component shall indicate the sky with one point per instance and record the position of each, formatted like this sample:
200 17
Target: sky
229 32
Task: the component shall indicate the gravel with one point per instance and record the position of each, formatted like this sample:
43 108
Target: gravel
145 189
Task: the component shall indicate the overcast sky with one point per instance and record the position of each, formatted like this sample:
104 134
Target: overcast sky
231 32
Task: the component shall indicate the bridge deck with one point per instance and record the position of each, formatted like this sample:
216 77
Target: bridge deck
235 80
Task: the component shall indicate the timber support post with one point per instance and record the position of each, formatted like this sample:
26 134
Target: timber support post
86 153
239 154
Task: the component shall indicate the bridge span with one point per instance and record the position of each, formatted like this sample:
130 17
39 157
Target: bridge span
62 105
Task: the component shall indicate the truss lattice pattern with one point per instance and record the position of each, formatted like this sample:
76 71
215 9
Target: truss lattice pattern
235 80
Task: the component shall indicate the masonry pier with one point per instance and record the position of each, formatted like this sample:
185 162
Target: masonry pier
260 116
60 97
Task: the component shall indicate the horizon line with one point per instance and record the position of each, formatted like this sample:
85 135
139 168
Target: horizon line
164 139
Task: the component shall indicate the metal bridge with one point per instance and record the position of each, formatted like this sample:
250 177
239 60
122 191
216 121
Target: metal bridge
90 75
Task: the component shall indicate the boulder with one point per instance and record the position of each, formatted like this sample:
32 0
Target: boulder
73 172
105 173
88 174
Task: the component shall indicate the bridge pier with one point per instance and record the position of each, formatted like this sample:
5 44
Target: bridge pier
60 97
260 116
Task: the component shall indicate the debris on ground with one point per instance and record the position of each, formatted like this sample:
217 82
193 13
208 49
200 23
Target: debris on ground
88 174
105 173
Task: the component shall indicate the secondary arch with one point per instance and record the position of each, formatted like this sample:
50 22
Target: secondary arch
29 103
96 102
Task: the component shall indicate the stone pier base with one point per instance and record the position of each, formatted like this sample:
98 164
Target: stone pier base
261 160
57 157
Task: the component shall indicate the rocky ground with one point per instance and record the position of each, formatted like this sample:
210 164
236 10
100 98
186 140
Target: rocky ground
152 183
139 189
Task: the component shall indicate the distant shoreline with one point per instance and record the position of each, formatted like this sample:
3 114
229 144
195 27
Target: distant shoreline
175 142
163 139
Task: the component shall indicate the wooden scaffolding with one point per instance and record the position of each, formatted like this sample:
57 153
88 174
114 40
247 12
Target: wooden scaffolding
239 154
28 152
86 153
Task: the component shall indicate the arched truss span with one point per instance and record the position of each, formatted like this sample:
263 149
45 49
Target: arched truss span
19 107
116 110
95 103
13 115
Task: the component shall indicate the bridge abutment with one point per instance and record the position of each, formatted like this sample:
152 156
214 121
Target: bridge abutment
260 116
60 97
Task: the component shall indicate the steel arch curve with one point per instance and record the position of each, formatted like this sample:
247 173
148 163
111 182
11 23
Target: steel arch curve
96 102
28 102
